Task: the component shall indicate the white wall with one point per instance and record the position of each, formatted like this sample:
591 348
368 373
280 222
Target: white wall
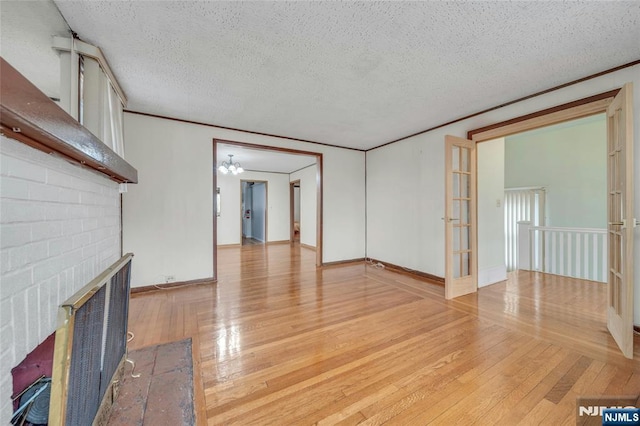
59 228
407 230
570 161
308 203
491 240
230 215
405 205
167 217
26 29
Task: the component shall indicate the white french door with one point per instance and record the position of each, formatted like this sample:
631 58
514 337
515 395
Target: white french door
621 219
461 275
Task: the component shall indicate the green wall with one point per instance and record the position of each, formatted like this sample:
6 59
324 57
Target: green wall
569 160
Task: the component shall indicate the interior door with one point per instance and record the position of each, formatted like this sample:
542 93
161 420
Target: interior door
621 219
461 276
294 210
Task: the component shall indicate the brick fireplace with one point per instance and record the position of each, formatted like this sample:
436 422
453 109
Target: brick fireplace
59 228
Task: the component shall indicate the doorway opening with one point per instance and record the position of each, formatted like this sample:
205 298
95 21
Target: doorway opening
294 196
253 221
618 236
278 166
550 183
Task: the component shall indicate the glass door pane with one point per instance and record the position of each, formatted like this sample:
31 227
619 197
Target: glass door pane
459 218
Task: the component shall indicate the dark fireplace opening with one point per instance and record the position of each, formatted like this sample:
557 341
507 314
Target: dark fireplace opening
31 384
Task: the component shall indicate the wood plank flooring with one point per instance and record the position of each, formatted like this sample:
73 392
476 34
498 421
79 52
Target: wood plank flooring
277 341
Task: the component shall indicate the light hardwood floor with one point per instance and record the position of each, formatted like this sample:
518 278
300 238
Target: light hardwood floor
277 341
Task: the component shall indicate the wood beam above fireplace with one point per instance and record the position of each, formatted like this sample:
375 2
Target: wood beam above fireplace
29 116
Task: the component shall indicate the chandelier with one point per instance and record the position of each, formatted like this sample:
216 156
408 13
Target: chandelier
230 166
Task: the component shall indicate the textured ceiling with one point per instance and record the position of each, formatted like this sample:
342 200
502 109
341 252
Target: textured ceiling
354 74
263 160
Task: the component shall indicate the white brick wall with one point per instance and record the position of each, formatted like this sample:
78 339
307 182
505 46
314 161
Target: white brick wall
59 228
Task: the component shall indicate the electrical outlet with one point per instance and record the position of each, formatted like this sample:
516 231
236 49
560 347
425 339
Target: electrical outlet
169 278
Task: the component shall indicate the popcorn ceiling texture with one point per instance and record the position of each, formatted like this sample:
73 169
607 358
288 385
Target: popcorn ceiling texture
356 74
59 228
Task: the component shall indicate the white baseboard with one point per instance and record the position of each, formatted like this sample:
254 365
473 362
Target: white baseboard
491 275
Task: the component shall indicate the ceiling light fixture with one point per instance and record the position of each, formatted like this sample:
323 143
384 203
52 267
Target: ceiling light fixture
230 166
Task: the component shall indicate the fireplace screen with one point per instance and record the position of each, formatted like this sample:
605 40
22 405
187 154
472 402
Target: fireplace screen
90 347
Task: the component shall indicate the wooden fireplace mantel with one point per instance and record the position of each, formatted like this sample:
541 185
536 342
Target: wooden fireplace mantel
29 116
